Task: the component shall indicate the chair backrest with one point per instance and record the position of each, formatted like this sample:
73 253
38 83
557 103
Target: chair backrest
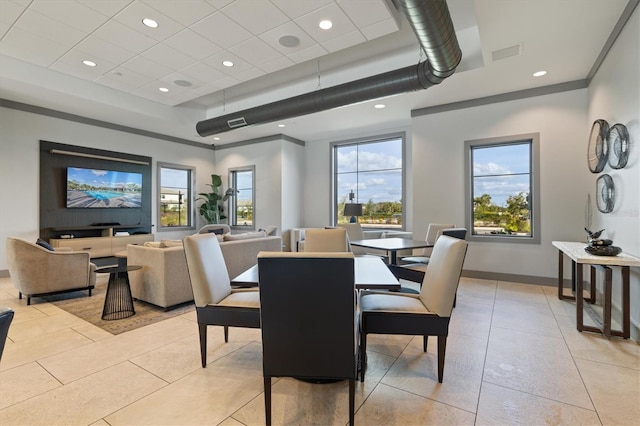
459 233
443 275
434 230
354 231
326 240
308 314
6 315
207 271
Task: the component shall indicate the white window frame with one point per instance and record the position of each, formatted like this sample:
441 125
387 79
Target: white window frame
190 196
534 184
232 201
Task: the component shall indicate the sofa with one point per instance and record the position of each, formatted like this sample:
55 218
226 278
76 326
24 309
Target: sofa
163 279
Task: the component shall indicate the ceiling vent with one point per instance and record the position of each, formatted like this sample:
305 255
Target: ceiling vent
236 122
507 52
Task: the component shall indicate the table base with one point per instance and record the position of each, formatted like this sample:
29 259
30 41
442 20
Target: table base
118 303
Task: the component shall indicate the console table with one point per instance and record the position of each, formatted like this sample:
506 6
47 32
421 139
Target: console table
579 258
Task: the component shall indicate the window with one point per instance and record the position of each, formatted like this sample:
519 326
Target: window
370 172
502 200
175 189
242 204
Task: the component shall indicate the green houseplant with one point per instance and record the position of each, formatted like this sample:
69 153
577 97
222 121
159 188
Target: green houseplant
212 207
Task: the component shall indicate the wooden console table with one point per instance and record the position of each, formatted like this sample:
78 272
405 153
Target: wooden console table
579 258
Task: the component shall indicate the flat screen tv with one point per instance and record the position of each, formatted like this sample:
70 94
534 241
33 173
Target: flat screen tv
94 188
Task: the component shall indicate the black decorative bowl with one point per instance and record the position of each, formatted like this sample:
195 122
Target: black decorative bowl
603 250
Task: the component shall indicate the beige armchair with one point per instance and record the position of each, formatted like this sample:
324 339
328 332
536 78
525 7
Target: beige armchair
37 271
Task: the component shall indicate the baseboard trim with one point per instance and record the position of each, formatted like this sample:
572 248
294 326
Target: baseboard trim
4 273
526 279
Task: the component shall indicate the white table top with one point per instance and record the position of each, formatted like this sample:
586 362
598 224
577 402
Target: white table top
575 251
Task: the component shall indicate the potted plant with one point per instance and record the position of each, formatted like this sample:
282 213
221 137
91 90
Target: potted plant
212 207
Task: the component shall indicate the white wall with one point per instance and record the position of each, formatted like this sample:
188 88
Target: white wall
614 95
20 165
438 175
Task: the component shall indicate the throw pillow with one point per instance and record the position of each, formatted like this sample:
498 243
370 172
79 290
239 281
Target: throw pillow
245 236
170 243
154 244
270 231
43 243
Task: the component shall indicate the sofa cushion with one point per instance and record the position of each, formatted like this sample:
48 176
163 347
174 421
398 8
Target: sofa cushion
154 244
170 243
245 236
43 243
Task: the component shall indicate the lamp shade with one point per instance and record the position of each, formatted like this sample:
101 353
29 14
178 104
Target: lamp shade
353 209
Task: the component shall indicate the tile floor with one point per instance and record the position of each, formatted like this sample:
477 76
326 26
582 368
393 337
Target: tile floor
513 357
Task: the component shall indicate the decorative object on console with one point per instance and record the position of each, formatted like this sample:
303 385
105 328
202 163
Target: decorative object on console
618 140
212 208
605 194
598 148
600 246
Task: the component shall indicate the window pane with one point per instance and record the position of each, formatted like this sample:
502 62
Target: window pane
380 155
347 158
175 197
242 204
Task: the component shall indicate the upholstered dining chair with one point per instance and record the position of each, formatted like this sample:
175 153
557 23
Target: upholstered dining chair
308 312
434 230
216 302
38 271
6 316
326 240
425 314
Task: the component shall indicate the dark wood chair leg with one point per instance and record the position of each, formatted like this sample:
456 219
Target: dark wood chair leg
267 400
455 299
20 295
202 328
28 300
425 339
363 355
90 292
442 347
352 400
226 334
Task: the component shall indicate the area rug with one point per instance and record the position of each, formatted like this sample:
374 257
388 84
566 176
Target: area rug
90 310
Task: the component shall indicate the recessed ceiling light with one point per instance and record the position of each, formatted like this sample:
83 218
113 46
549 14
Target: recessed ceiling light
325 24
150 23
163 89
89 63
216 138
539 73
281 125
227 63
379 106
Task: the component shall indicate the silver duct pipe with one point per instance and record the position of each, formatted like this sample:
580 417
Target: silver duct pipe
430 21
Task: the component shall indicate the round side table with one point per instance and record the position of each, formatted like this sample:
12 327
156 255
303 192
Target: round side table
118 303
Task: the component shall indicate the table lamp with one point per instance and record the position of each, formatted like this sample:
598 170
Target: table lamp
352 209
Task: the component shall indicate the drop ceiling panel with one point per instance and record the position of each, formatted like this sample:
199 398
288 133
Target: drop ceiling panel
100 49
341 23
48 28
147 67
168 56
203 72
119 34
192 44
255 51
276 65
295 8
133 14
170 78
70 13
71 63
308 54
344 41
31 48
292 29
9 12
221 30
380 29
255 16
123 79
108 8
185 12
215 61
364 13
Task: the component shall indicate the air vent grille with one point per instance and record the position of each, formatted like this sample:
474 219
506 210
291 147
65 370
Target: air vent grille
237 122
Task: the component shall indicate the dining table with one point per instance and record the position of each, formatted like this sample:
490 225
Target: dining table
370 273
392 246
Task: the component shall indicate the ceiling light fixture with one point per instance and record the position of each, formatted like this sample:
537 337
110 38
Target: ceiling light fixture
216 138
379 106
281 125
150 23
227 63
325 24
89 63
163 89
539 73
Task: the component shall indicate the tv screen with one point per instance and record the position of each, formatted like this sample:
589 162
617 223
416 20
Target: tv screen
93 188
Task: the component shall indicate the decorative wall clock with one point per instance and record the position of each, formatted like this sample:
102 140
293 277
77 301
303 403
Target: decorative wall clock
598 146
618 140
605 194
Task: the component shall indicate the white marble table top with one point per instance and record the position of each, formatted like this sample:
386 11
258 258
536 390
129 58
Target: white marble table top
575 251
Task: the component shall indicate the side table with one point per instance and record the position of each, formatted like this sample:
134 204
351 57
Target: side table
118 303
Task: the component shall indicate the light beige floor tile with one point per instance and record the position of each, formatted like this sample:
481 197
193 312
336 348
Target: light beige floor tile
596 347
24 382
206 396
93 332
471 318
390 406
562 307
417 372
536 364
107 352
24 314
520 291
43 325
391 345
524 316
100 422
477 290
615 391
230 421
503 406
84 401
49 344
